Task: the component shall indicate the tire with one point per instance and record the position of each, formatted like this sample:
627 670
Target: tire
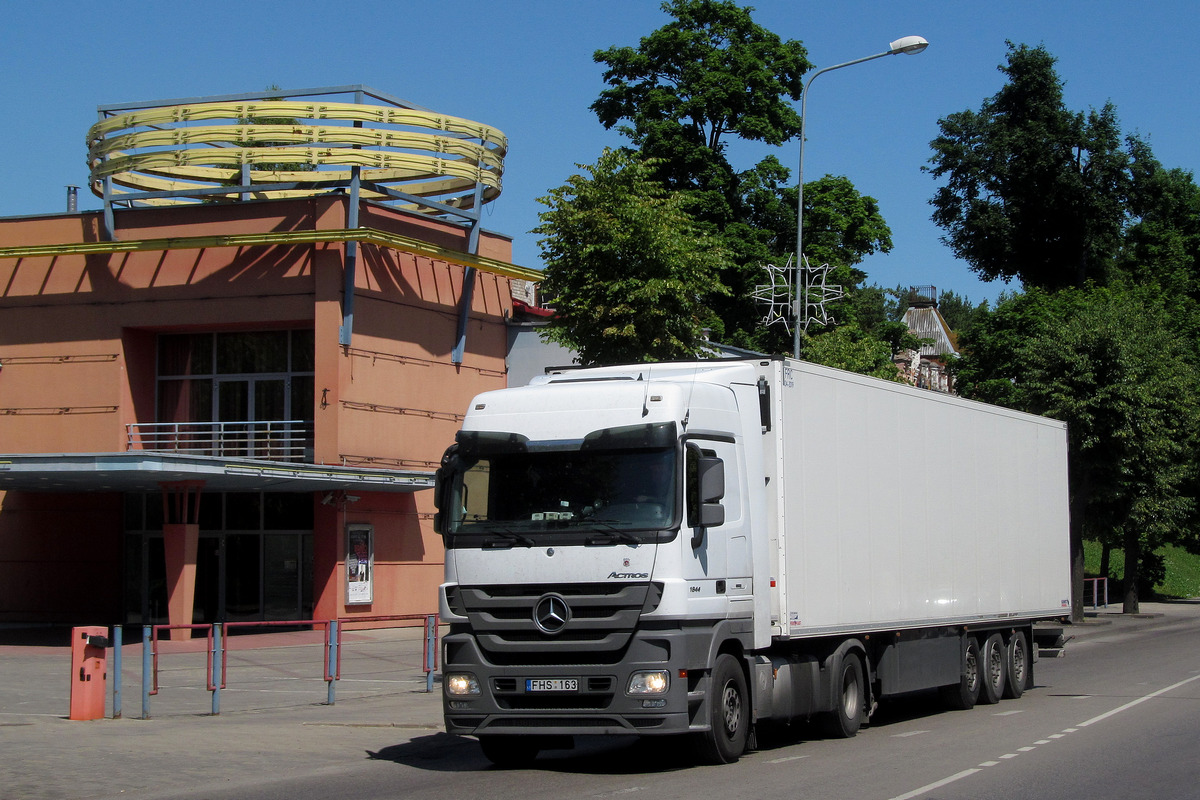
1017 662
992 658
509 752
729 713
849 700
962 695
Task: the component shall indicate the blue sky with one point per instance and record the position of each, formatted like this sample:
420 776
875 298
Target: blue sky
525 66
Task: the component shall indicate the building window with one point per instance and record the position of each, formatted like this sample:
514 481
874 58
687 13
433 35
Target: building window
246 394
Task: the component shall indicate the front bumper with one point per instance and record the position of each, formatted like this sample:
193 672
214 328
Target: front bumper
599 704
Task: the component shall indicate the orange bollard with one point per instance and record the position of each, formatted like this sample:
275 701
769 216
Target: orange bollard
89 672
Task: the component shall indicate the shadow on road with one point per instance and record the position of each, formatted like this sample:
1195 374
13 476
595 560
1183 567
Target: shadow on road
592 755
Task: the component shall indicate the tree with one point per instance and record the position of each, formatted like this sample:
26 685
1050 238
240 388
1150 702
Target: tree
842 228
1032 190
958 312
709 73
626 265
1163 245
848 347
1109 362
709 76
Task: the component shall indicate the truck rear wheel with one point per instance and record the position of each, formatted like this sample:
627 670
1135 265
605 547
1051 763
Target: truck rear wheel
509 751
962 695
1018 666
729 713
849 700
991 658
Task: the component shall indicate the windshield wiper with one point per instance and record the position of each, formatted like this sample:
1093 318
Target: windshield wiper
510 538
610 535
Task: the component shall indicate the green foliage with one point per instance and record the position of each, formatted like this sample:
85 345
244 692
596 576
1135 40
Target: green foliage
842 226
276 166
1032 190
710 72
848 347
708 75
1163 246
626 265
1179 577
1111 363
958 311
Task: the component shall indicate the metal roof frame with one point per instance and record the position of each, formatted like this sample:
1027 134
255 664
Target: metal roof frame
146 471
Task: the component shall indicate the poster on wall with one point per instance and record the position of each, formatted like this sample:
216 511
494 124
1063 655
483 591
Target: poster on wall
360 564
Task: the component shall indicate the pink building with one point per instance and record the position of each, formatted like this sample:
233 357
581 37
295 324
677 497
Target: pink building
222 396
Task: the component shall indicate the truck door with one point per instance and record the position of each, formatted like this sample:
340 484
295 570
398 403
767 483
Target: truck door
717 558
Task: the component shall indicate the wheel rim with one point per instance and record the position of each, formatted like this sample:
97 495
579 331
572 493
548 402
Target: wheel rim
850 702
972 670
1018 662
731 704
995 666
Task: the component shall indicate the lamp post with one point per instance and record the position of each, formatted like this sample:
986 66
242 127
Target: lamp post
908 45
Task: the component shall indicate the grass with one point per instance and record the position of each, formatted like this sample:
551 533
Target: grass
1182 577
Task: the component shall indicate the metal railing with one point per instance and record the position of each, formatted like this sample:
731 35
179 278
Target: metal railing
218 647
1097 584
271 440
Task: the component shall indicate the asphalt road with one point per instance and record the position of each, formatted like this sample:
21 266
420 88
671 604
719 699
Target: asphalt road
1118 717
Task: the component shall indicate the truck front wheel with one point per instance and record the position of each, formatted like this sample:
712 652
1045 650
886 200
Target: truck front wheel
729 713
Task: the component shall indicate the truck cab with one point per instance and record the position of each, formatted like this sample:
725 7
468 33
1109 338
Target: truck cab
599 558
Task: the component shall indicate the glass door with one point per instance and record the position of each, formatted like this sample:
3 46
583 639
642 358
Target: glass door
270 408
233 412
248 409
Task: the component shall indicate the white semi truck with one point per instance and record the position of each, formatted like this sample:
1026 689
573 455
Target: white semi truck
699 547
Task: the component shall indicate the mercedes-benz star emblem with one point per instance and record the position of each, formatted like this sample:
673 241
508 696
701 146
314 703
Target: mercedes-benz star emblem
551 614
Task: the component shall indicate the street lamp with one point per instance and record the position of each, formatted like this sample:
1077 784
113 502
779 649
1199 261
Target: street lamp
910 45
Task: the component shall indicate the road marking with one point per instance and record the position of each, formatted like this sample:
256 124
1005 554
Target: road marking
787 758
1008 713
1042 741
1138 701
1100 718
906 735
619 792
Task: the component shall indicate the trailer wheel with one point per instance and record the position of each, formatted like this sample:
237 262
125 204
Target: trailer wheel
1018 666
509 752
729 713
962 695
992 657
850 700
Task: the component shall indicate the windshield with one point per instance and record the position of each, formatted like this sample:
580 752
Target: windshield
591 491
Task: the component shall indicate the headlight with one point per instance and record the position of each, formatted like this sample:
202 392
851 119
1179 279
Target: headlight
656 682
461 684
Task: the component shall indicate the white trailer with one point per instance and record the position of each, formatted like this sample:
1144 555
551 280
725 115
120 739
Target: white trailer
695 548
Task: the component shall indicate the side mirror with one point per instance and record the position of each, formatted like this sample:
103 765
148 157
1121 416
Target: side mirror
442 484
706 486
711 480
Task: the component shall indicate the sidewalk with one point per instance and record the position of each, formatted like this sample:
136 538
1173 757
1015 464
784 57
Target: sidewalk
273 717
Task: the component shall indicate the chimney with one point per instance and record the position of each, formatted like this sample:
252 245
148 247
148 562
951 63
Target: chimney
72 199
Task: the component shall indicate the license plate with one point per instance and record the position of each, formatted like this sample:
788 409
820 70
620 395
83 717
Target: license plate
552 684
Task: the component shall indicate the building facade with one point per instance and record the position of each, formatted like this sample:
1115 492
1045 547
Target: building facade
224 400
